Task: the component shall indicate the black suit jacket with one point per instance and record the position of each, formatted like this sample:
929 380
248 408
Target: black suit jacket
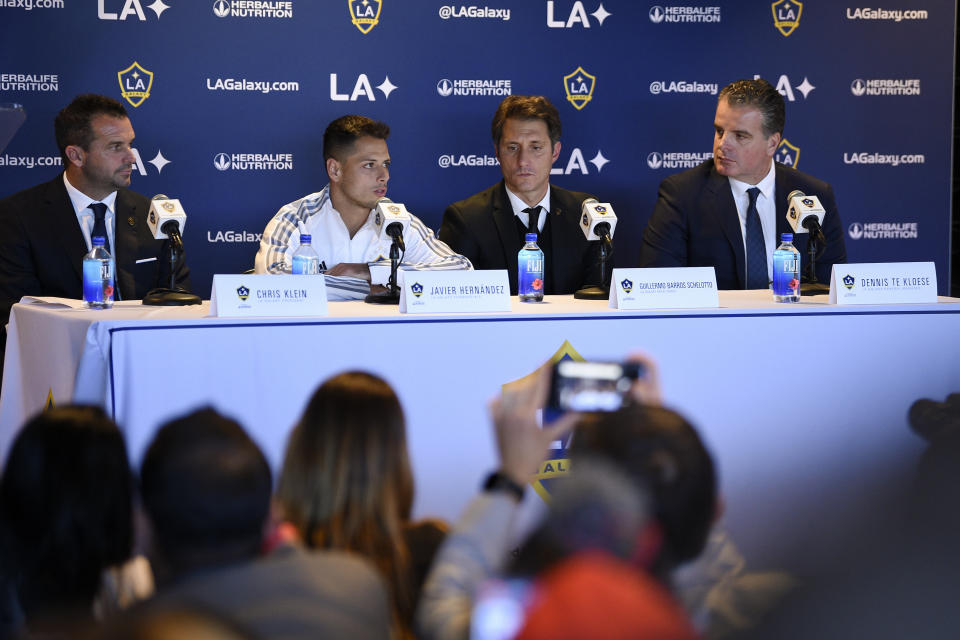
484 229
695 224
42 248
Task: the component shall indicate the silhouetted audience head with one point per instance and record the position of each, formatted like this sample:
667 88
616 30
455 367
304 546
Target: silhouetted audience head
346 481
206 489
65 512
660 450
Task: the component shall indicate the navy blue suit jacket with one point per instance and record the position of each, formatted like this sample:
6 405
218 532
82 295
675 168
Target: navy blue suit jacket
695 224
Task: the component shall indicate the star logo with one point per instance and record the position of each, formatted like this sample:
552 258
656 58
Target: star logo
805 87
243 292
849 281
387 87
416 289
601 14
598 161
627 285
159 162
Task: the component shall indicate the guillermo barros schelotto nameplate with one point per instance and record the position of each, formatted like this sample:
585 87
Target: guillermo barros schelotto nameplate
454 291
270 296
671 288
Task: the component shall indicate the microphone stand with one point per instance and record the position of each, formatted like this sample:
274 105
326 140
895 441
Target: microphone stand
392 294
809 285
172 296
601 291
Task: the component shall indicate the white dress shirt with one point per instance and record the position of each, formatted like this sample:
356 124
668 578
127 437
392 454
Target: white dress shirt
81 206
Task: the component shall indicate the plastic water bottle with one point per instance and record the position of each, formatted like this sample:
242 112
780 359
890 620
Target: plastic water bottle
530 271
786 271
305 258
98 277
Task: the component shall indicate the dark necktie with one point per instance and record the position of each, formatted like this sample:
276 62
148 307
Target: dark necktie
533 214
100 224
756 248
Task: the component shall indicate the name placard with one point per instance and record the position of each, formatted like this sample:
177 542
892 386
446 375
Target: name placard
454 291
670 288
266 295
883 283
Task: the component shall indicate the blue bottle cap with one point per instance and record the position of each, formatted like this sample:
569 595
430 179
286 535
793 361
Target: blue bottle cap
531 237
304 238
98 241
786 237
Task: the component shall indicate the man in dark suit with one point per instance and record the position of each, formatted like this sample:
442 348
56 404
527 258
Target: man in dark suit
489 227
733 207
46 230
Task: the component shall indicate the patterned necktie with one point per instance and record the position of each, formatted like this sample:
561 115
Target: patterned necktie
100 224
533 214
757 277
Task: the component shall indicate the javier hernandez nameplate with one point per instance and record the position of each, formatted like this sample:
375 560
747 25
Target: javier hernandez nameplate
454 291
670 288
265 295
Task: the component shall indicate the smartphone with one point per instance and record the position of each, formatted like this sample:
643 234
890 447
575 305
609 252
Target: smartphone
591 386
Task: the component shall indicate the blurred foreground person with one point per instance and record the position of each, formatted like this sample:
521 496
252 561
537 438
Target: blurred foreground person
346 484
206 490
65 517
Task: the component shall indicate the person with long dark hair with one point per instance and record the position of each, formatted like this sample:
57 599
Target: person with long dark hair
65 516
346 484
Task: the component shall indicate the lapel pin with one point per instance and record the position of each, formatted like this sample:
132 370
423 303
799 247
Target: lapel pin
131 221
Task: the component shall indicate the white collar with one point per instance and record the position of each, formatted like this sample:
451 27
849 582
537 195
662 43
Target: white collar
81 200
766 186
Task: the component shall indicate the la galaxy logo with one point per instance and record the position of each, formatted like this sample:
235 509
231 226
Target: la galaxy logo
168 207
787 154
135 83
556 465
394 209
365 14
579 86
586 220
849 281
153 217
602 210
786 15
627 285
416 289
243 293
807 202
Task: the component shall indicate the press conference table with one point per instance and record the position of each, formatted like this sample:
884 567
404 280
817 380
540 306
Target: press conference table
798 403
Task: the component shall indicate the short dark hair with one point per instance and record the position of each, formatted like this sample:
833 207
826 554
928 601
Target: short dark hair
72 125
761 95
343 132
663 452
206 487
526 108
66 511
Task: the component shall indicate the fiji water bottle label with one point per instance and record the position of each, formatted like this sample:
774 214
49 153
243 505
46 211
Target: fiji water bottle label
301 266
531 276
97 281
786 274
